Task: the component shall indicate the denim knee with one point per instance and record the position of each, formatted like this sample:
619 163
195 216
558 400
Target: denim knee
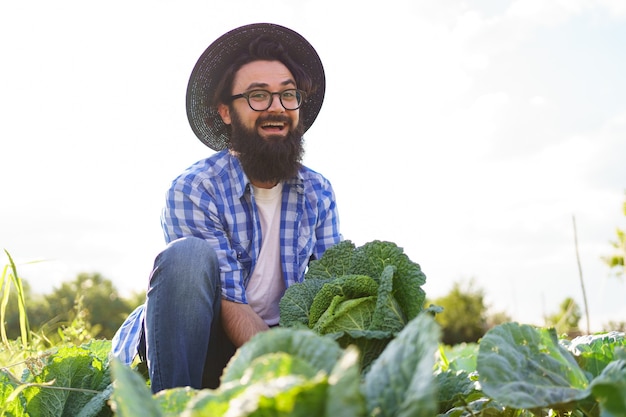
189 262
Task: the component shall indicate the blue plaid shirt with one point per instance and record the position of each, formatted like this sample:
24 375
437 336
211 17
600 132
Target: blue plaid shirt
213 200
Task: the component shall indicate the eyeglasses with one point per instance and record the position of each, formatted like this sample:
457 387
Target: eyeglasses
261 100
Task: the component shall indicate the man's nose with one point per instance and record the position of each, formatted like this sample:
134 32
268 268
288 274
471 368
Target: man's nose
275 105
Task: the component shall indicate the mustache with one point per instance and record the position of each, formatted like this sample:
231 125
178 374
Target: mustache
273 118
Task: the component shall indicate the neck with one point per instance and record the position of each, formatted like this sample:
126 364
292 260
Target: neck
266 184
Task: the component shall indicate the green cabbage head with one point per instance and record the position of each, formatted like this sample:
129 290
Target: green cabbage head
358 296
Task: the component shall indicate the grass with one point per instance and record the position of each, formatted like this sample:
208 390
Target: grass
10 279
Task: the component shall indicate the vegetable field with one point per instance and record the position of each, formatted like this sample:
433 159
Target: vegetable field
354 341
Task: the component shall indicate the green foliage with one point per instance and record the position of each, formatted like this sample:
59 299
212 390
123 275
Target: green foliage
296 372
464 315
281 372
101 304
69 381
524 370
566 320
521 370
320 353
362 296
88 306
515 360
11 283
615 261
609 388
514 370
401 382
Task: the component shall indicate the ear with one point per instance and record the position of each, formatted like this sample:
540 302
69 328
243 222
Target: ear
224 112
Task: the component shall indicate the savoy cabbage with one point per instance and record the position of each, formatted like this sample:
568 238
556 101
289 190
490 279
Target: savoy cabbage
359 296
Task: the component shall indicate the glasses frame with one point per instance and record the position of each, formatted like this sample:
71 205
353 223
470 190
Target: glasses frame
247 94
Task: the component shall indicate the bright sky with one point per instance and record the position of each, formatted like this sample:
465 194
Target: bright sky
468 132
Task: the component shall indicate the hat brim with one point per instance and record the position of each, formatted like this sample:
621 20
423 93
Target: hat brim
204 119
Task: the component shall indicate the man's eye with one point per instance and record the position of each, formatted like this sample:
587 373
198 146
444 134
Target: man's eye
258 95
289 94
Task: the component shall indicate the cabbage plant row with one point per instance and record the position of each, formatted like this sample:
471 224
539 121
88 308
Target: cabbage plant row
518 370
354 341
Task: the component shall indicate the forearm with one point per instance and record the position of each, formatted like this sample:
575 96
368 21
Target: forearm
240 322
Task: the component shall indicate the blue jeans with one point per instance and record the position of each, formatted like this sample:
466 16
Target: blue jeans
185 342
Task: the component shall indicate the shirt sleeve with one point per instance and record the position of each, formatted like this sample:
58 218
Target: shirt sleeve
193 208
125 342
327 232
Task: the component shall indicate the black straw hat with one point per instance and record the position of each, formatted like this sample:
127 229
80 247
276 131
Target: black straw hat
203 117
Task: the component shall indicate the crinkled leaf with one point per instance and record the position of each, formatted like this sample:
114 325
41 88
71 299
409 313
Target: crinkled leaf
347 286
320 352
296 303
174 401
131 396
12 402
72 367
594 352
213 402
274 365
400 381
388 315
99 349
344 397
291 395
372 258
522 366
609 389
484 407
334 263
98 405
454 387
370 343
346 314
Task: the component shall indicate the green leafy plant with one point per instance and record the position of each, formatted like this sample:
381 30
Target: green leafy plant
69 381
358 296
515 370
296 372
526 370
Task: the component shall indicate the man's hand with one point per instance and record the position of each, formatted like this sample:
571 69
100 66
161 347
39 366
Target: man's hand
240 322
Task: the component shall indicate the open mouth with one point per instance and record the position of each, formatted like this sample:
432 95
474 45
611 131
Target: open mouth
273 127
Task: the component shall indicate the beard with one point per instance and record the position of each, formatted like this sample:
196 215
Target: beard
271 159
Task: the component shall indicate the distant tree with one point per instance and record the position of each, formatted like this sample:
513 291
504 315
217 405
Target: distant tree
496 318
464 315
616 260
616 326
566 320
98 301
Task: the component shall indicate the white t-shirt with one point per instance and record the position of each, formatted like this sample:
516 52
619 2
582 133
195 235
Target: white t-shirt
266 285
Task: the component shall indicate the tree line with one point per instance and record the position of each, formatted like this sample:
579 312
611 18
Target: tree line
91 307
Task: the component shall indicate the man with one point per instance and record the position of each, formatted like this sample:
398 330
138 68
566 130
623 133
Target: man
241 225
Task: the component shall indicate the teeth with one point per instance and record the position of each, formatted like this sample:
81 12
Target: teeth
273 124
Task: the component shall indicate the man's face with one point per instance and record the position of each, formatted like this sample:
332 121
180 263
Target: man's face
268 143
274 123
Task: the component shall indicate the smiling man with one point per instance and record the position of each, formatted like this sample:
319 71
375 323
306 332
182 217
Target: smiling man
242 225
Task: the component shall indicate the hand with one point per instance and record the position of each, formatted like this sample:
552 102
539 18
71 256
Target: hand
240 322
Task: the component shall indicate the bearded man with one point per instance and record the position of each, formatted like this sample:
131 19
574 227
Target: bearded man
241 225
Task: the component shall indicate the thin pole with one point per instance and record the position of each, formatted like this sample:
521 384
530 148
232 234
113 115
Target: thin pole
580 274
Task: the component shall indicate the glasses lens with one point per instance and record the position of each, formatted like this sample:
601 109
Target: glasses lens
291 99
259 99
